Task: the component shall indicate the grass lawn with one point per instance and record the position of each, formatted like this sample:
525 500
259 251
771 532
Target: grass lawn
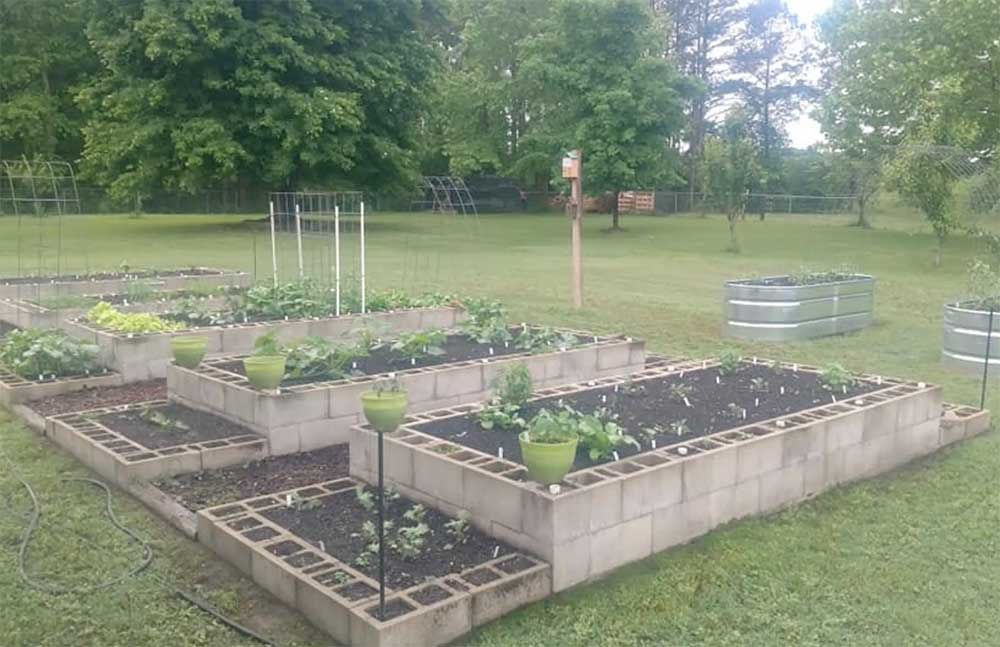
907 559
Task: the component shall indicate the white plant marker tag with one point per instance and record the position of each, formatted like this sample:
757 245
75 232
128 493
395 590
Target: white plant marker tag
628 339
491 350
506 344
524 326
681 376
833 397
413 361
921 385
392 375
682 451
782 391
124 302
717 381
795 368
500 453
555 489
288 500
859 402
878 379
754 359
756 402
322 546
780 424
354 364
591 383
286 317
687 403
653 443
704 363
245 319
596 339
486 360
744 414
845 389
616 388
615 454
496 552
560 402
669 367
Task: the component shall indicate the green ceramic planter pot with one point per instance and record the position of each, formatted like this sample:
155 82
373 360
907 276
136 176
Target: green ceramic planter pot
188 351
384 411
547 463
265 371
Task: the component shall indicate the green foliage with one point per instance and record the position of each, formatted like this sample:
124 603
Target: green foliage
513 385
38 354
388 385
268 344
106 316
294 300
412 535
155 416
731 171
983 284
498 415
927 184
487 322
680 391
807 276
195 95
67 301
544 339
365 498
458 529
552 428
600 435
418 344
315 358
834 377
729 361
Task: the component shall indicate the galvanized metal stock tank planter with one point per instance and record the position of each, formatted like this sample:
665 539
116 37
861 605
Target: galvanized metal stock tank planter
757 311
964 344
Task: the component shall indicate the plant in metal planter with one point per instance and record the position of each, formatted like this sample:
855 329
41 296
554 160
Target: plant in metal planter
266 367
385 405
188 351
548 445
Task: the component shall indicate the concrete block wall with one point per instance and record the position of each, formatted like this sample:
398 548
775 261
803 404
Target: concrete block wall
620 512
144 357
17 390
118 285
310 416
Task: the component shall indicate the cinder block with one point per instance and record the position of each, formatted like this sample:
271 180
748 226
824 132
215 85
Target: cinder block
345 400
804 443
814 479
497 600
519 540
214 458
325 611
458 381
614 356
570 563
880 420
637 353
621 544
580 363
398 459
290 408
551 368
681 523
758 456
271 575
315 434
487 497
606 501
570 515
239 403
653 488
782 487
709 472
283 440
212 394
438 478
844 431
419 387
226 544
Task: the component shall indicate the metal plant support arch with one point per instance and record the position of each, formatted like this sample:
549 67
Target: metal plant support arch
450 195
38 189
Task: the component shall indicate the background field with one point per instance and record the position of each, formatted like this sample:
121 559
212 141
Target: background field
909 559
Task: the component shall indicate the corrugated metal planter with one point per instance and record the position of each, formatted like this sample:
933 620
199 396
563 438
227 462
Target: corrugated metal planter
791 312
964 344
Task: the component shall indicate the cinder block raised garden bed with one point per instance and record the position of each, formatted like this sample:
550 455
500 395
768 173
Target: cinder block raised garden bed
18 390
28 313
742 460
305 546
152 440
306 416
775 309
117 282
142 357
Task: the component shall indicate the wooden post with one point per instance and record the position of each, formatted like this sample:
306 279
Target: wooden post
572 170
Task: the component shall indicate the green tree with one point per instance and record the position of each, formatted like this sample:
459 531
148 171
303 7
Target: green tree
294 93
928 185
43 56
605 89
732 171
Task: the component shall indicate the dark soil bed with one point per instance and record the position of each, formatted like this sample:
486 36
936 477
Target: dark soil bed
103 276
139 425
792 282
338 520
119 299
457 348
104 396
651 405
257 478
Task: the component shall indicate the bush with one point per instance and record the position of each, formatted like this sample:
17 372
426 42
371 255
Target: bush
107 316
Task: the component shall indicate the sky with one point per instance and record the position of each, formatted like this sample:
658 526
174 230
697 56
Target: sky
805 131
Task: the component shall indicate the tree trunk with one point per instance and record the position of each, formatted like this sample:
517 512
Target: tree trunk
862 217
615 215
734 244
938 249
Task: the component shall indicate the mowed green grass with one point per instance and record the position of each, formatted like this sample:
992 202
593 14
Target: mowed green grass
911 558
